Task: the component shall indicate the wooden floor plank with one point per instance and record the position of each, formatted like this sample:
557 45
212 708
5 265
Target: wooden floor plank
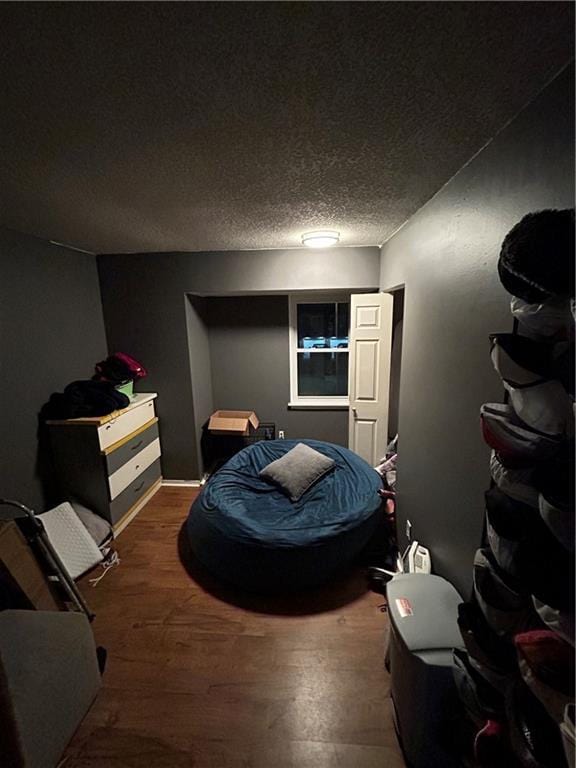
199 675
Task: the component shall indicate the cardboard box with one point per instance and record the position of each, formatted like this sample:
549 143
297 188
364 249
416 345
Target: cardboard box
232 422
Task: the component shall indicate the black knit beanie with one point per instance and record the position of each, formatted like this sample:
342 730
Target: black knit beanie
536 261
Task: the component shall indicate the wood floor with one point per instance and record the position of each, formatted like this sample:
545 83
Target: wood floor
201 677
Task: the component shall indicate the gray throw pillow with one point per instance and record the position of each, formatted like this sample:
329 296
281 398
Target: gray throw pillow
297 470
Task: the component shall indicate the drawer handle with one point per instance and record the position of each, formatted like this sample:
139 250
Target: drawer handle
139 487
137 466
138 444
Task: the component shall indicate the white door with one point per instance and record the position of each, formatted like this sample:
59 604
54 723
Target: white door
369 373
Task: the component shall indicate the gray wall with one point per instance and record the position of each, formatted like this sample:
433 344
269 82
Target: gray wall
446 257
145 315
200 362
395 362
249 346
51 333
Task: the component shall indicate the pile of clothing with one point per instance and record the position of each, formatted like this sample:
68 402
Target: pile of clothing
98 396
387 471
82 399
516 678
387 467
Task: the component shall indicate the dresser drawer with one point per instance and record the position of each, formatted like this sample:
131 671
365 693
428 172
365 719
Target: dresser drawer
123 425
128 472
130 495
118 457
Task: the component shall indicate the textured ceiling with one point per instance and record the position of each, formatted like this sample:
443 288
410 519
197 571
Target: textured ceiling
219 126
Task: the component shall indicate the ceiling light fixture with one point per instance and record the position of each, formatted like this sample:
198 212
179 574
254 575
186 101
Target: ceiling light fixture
321 239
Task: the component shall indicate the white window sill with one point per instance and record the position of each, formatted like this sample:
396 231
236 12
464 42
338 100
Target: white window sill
324 404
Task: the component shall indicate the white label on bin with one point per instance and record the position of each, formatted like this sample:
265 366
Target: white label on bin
404 607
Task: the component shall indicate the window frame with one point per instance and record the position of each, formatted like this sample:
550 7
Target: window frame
319 402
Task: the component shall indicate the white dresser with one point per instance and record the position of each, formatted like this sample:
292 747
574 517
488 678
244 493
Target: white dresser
110 463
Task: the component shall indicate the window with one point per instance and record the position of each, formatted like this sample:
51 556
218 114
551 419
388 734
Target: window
319 327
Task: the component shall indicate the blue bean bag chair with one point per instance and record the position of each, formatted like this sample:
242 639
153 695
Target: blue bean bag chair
247 531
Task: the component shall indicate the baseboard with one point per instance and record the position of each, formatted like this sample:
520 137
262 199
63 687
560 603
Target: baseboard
182 483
